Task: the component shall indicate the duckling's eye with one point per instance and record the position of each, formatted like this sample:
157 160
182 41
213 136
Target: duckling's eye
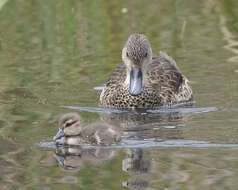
146 54
127 54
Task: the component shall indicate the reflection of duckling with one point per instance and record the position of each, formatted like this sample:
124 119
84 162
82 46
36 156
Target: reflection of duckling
74 158
72 133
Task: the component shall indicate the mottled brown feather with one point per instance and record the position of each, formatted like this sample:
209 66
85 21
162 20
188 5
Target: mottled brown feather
164 85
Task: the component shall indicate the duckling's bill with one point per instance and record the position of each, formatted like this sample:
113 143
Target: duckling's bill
59 134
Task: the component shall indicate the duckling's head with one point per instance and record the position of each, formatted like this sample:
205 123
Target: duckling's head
69 119
136 55
69 125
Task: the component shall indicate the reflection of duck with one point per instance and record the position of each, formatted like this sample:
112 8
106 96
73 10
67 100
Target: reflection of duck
138 168
136 184
143 80
140 121
71 132
135 162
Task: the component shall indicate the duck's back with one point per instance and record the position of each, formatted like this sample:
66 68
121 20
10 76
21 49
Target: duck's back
164 73
164 84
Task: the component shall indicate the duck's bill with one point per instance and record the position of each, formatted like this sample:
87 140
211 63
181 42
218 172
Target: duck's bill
59 135
135 87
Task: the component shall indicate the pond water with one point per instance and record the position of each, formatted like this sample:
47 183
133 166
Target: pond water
53 54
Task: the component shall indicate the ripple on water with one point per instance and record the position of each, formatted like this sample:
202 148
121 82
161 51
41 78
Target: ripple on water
149 143
165 109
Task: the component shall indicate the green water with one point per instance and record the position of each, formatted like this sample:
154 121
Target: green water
53 53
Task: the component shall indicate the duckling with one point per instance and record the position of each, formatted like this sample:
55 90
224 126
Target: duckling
71 132
144 80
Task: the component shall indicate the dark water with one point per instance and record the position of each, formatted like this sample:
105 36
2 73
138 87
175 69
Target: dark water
53 53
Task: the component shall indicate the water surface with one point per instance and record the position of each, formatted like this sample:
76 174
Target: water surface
53 54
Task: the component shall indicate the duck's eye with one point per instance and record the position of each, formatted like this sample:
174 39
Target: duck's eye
127 54
146 54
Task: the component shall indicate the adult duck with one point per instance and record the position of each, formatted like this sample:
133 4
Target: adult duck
144 80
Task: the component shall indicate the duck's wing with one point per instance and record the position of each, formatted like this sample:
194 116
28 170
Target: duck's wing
118 76
163 73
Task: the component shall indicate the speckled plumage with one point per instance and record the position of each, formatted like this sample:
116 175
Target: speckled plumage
163 83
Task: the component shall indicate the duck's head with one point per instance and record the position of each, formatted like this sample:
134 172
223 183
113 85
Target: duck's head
69 125
136 55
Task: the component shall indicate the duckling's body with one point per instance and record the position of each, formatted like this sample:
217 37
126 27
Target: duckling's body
72 132
101 134
144 81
